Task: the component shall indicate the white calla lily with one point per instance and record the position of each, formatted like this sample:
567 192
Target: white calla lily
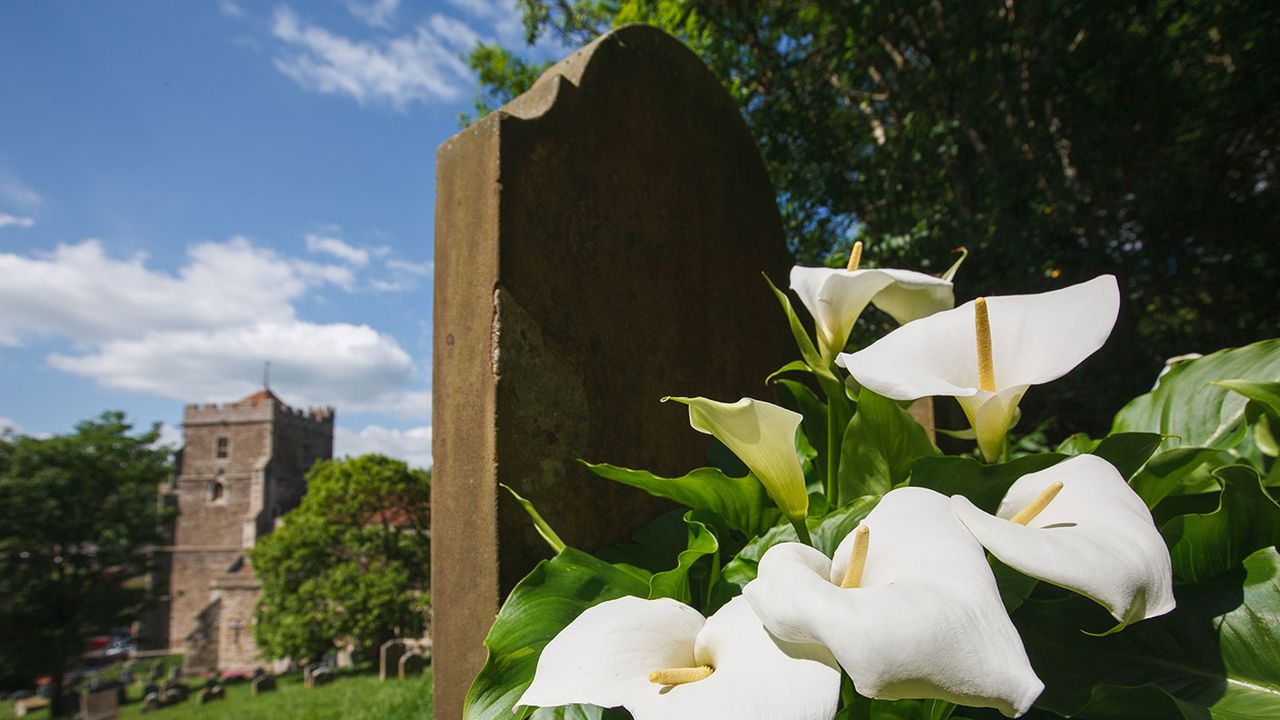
836 297
763 436
1029 340
725 666
923 619
1095 536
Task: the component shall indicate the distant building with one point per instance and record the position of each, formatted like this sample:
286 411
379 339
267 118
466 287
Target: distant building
242 466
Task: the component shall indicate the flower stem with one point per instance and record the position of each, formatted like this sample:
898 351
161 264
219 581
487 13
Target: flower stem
802 530
833 455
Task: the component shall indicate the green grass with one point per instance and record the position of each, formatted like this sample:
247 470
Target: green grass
353 695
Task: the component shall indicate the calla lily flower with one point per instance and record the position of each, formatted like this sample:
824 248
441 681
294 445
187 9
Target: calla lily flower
987 352
662 661
763 436
909 608
835 298
1084 529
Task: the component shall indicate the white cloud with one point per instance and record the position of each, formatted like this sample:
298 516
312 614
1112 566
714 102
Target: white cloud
412 268
420 66
349 366
23 222
230 9
17 192
80 292
375 13
170 435
203 332
337 248
412 445
504 17
7 425
453 31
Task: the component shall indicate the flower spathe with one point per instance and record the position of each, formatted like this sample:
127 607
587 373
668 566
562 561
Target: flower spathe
926 620
606 655
1095 537
1034 339
836 297
763 436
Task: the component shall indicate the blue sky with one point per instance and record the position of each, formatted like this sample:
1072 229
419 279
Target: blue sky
190 189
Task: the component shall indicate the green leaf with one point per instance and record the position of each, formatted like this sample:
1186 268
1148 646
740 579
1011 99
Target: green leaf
541 605
1077 444
985 485
793 366
807 350
1167 473
740 501
1128 451
674 583
538 523
799 398
1215 656
1265 393
1190 410
880 445
826 531
1206 545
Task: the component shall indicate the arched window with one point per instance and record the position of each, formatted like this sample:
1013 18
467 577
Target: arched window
216 490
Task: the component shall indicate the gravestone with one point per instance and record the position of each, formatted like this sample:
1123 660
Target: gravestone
100 705
599 244
411 665
264 683
389 658
321 675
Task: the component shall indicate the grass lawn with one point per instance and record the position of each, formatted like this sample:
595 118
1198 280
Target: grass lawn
353 695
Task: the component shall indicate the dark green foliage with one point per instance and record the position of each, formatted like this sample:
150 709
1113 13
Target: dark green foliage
348 564
76 512
1056 140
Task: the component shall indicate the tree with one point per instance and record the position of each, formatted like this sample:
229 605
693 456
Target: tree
79 510
350 563
1056 140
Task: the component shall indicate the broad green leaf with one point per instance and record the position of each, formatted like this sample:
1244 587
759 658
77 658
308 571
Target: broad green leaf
1077 444
826 531
740 501
1127 451
539 607
1265 393
984 485
538 523
1216 656
880 445
674 583
1202 546
1190 410
1168 473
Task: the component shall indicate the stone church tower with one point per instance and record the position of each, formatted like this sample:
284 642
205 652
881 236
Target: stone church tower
241 467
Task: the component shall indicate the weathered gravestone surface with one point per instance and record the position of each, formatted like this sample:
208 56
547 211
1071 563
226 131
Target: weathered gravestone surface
599 244
263 684
411 665
100 705
389 658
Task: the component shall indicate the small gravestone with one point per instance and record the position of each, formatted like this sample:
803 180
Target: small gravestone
389 658
411 665
322 675
308 674
599 244
263 684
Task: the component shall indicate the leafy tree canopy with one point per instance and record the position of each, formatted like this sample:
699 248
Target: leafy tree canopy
348 564
79 510
1056 140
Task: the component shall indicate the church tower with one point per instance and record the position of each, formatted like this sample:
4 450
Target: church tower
242 466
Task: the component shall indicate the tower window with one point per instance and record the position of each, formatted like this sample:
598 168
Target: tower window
222 447
216 490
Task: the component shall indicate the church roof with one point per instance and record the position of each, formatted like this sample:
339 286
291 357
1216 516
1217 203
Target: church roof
262 396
